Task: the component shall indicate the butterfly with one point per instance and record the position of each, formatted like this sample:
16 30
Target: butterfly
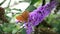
23 17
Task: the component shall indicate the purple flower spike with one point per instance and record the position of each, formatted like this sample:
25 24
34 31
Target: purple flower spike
29 28
38 15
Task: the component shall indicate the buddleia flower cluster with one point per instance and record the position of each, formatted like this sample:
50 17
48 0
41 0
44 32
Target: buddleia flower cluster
37 15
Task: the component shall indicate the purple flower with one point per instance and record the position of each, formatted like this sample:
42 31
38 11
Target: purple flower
38 15
28 28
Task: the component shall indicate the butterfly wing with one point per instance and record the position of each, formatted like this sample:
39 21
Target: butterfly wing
20 18
23 17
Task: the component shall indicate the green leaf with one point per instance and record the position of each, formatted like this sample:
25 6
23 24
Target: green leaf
16 9
31 8
23 31
15 30
33 2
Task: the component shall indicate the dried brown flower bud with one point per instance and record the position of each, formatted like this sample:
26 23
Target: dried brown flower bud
2 17
2 11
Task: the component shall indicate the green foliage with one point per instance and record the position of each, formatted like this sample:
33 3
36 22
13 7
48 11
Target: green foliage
33 2
31 8
17 9
8 27
23 30
54 21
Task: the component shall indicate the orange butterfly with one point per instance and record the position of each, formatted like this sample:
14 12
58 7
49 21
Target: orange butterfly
23 17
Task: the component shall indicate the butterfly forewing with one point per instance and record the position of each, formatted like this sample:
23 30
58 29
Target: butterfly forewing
23 17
